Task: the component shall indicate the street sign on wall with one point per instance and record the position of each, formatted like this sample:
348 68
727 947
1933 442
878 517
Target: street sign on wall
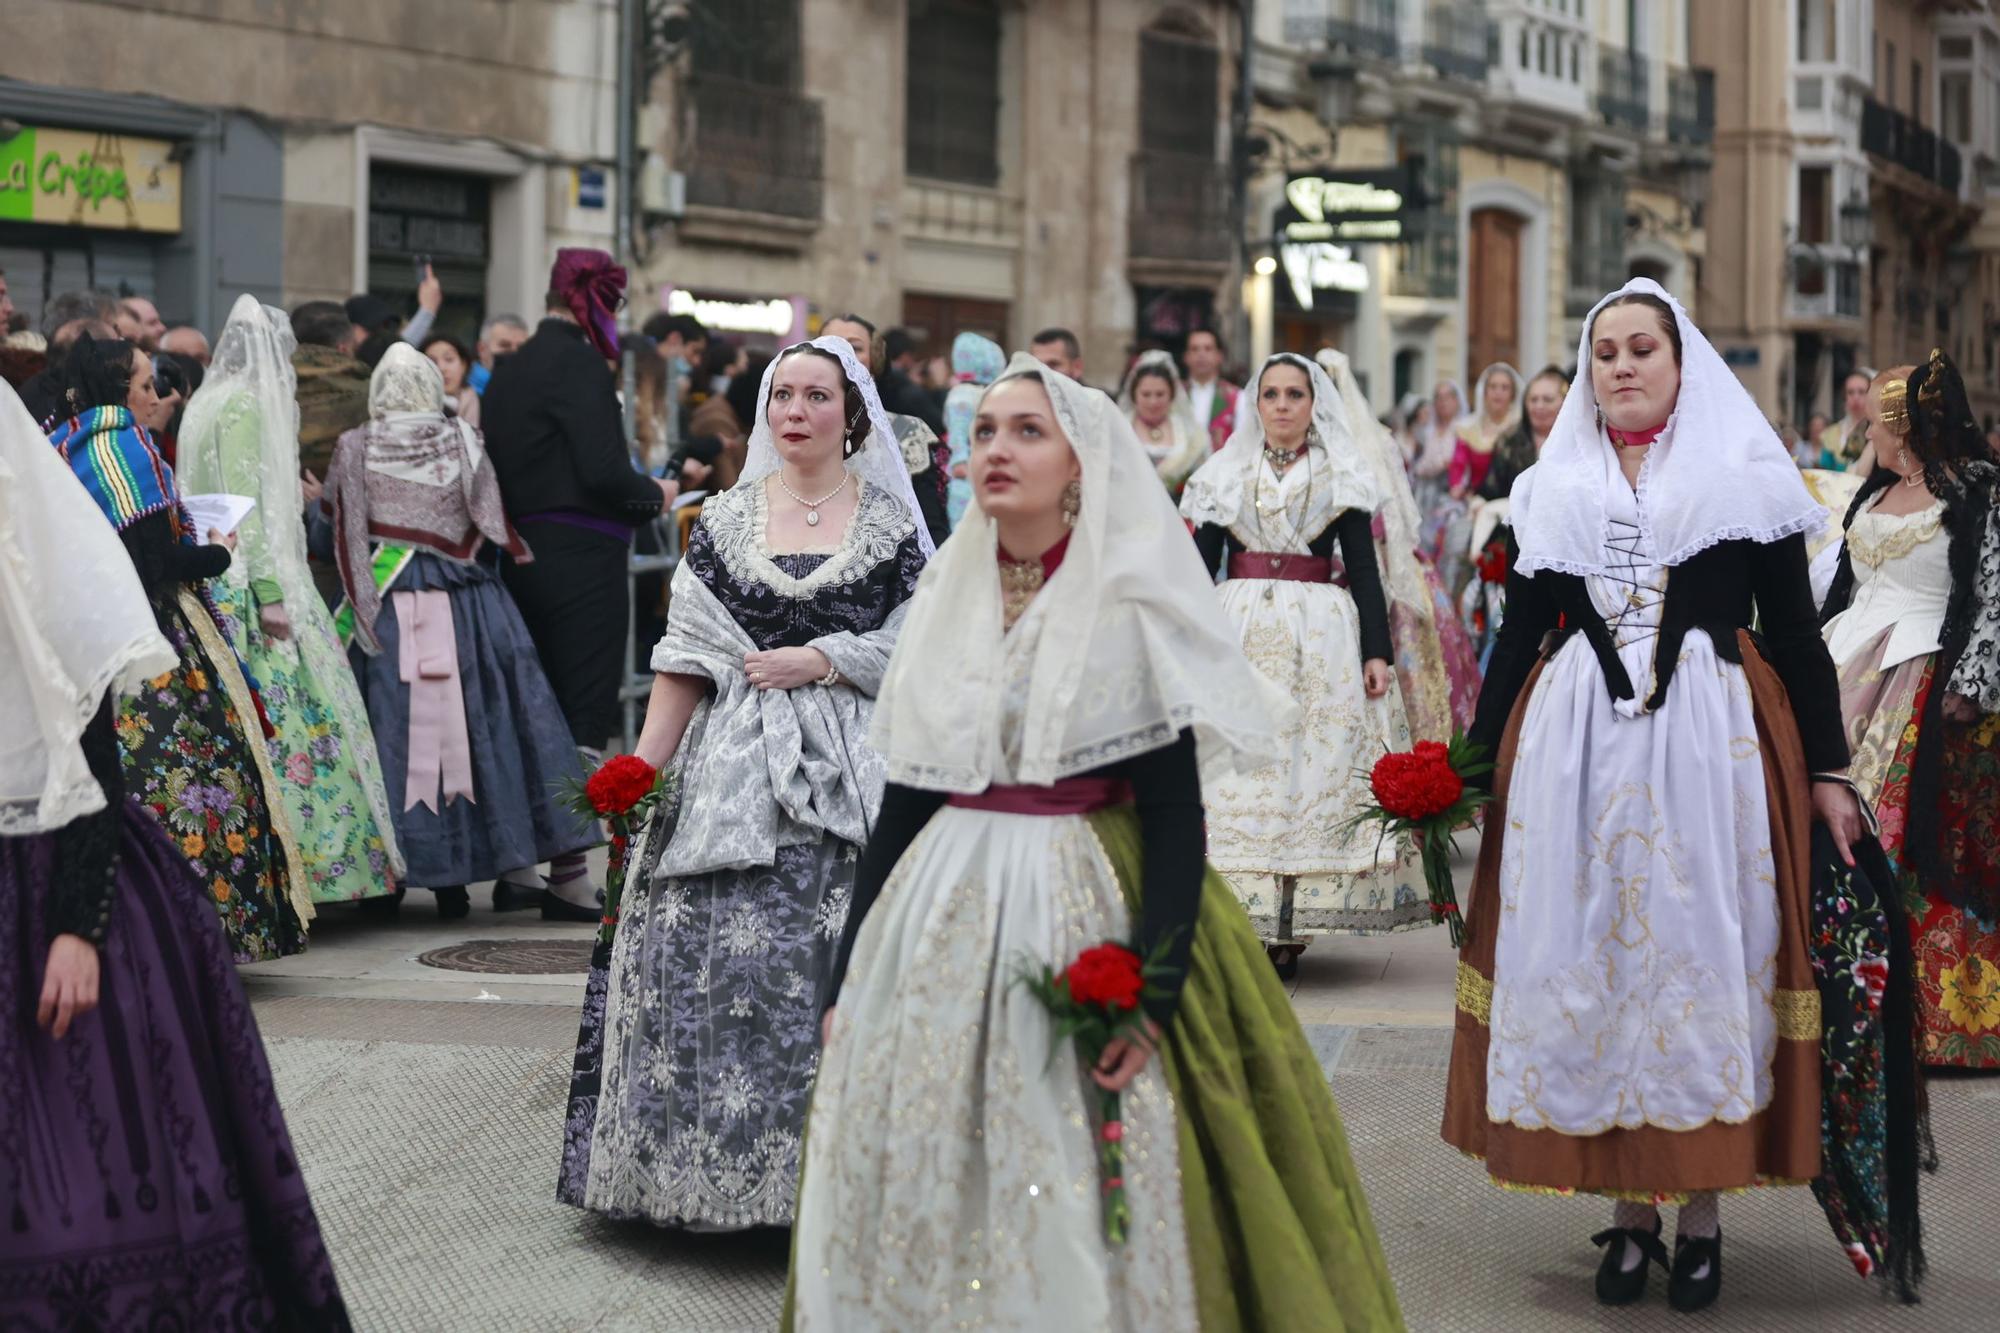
82 178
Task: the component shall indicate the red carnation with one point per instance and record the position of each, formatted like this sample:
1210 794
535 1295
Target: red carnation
1418 784
1110 975
620 783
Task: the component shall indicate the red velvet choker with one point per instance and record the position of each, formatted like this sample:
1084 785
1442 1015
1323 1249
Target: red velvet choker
1051 558
1634 439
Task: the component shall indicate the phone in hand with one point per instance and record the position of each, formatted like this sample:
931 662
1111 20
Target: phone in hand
423 267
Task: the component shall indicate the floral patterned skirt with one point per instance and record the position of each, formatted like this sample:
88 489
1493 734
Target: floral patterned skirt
186 744
1957 953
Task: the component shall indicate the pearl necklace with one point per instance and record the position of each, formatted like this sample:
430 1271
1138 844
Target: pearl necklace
812 506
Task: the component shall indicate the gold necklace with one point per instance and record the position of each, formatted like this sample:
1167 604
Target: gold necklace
1020 580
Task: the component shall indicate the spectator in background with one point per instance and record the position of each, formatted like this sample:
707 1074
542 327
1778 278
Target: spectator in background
1059 350
917 439
372 315
6 305
936 378
138 322
682 343
454 362
186 342
499 337
1212 397
900 393
23 356
333 384
65 318
1805 452
1842 444
718 363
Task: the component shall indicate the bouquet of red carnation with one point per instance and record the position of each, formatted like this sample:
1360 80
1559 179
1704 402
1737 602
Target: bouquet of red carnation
1492 563
623 791
1095 1000
1422 792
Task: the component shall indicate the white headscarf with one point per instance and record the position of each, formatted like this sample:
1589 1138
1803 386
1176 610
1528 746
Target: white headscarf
74 623
1187 443
1476 423
1717 472
879 462
1123 647
1341 477
1439 439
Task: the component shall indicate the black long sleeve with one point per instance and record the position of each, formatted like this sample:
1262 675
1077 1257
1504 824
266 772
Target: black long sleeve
161 559
1355 529
905 811
1213 541
1781 583
86 849
587 413
1531 613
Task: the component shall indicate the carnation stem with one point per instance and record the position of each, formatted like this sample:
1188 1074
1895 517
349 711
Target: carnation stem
1117 1213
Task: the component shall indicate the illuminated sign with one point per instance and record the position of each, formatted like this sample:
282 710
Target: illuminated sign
1319 266
776 317
78 178
1353 206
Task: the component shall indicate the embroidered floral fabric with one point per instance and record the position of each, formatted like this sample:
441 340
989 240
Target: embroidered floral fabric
1851 961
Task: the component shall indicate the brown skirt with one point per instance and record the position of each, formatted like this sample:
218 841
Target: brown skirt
1778 1145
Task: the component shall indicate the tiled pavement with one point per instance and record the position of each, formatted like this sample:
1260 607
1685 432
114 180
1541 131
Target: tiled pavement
427 1106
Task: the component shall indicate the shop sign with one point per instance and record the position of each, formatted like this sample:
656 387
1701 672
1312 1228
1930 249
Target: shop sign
1319 266
1350 206
81 178
776 317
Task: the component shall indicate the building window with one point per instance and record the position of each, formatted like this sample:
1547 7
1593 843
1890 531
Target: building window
1917 91
1817 31
1178 96
1815 205
1889 73
1955 106
1427 256
951 98
753 41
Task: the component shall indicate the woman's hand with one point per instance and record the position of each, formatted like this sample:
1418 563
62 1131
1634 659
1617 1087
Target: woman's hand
226 540
1836 806
310 487
69 984
786 668
277 621
1123 1058
1376 677
1959 708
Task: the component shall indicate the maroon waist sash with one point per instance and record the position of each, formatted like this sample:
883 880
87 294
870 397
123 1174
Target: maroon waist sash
1286 567
1070 796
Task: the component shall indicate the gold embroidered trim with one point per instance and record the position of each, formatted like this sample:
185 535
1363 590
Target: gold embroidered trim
1020 580
1475 994
1797 1012
1897 539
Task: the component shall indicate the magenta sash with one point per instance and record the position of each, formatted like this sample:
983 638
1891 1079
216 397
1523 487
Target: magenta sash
427 661
1070 796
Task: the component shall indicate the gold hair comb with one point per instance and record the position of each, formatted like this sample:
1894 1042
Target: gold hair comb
1895 412
1931 394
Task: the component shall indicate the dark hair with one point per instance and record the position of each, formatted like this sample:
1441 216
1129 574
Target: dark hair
68 307
852 403
851 318
376 346
1866 378
702 448
741 395
1220 345
897 343
1660 308
1944 433
1551 371
663 326
97 372
322 324
1071 347
1152 370
464 352
721 354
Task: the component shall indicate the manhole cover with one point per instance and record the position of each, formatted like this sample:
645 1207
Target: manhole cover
515 957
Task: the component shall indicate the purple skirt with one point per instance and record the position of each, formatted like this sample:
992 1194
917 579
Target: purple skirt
149 1178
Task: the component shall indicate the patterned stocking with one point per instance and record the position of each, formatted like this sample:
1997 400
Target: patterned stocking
1633 1217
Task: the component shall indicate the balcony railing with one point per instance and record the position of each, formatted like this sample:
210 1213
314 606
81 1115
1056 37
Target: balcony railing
1813 296
1691 106
1624 87
1460 41
1180 208
1889 134
1366 27
1427 258
752 148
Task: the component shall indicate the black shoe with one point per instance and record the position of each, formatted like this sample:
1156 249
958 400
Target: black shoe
515 897
454 903
384 908
1615 1286
562 909
1686 1292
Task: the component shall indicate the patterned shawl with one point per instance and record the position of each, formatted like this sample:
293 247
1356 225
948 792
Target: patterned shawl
115 460
415 479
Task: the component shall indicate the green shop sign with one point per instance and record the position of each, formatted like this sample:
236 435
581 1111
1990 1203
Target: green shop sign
78 178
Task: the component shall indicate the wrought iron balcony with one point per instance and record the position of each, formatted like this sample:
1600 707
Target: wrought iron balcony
1180 209
1427 258
1624 88
1460 41
1365 27
1691 106
752 148
1889 134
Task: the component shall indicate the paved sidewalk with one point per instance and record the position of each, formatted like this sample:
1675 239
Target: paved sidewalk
427 1106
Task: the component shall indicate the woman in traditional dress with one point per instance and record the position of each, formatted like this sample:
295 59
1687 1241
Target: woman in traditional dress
154 1183
1156 403
697 1050
1291 482
1435 666
472 739
1474 440
194 739
1637 1015
1483 604
975 363
240 437
1066 685
1436 441
1913 623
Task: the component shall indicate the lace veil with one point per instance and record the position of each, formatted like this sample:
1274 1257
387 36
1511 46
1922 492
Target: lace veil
74 623
1717 473
880 460
1340 479
1403 575
1125 645
1187 442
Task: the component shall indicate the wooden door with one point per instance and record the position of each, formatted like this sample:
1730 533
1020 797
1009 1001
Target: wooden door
1493 289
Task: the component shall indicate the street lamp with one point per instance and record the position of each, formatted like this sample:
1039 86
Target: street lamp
1857 224
1265 266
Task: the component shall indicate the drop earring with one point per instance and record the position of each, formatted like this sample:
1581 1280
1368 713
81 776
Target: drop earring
1072 503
